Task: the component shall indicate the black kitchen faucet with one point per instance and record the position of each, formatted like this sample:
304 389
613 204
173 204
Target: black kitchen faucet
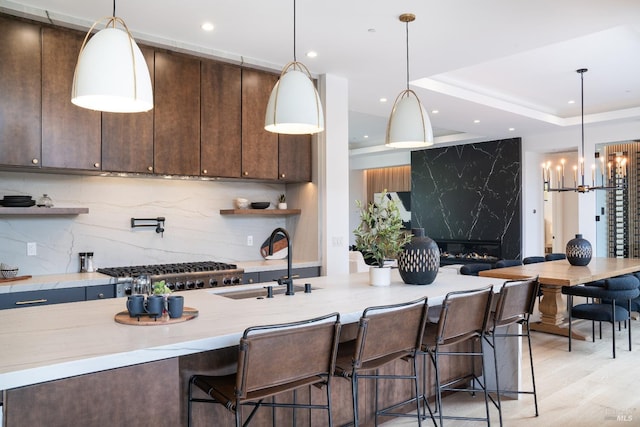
288 281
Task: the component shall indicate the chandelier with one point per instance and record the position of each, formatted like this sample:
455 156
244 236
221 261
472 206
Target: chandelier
612 174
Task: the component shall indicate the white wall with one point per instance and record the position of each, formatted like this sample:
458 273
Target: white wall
333 179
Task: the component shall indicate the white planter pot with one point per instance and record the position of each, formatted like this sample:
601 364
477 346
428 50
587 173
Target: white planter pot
282 205
379 276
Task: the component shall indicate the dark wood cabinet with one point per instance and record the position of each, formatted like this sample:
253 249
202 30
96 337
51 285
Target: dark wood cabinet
220 120
127 139
70 134
177 114
20 99
294 158
259 147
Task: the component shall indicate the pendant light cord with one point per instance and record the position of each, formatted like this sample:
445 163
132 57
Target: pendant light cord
294 31
582 71
407 27
114 8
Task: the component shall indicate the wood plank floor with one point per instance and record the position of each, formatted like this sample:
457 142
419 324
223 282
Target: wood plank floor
586 387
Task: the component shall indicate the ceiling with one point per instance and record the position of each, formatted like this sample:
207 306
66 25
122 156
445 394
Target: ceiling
509 65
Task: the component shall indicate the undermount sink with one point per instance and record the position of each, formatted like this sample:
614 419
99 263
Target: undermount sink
260 293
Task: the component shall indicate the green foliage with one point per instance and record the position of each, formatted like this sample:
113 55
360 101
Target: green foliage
379 235
282 198
159 288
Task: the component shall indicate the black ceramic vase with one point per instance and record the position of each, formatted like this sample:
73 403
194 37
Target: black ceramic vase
418 263
579 251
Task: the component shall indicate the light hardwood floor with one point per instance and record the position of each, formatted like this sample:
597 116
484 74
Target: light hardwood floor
586 387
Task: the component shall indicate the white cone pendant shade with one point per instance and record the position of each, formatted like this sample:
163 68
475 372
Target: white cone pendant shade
409 125
111 74
294 106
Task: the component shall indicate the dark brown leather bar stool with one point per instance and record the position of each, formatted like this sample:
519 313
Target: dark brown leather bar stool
258 377
463 318
514 306
385 334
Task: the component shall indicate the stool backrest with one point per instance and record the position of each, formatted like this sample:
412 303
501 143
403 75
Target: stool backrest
515 301
389 332
464 314
275 356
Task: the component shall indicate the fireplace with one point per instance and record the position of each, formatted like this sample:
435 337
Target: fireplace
469 251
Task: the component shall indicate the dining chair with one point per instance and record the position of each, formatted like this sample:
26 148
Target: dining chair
555 256
274 359
507 263
533 260
463 319
514 307
385 334
610 302
473 268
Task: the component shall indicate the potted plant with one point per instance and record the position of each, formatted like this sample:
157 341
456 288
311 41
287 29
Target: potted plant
379 236
282 202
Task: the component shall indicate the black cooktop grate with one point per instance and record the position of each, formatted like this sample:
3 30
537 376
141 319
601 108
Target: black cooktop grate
167 269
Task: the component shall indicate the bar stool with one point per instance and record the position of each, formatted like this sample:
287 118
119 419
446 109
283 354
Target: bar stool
514 306
463 318
274 359
385 334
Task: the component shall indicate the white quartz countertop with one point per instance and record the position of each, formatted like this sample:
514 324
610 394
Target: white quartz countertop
56 341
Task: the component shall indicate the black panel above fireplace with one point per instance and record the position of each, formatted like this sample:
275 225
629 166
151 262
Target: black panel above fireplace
470 192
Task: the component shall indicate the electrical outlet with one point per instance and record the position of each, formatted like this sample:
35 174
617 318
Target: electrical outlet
32 249
249 240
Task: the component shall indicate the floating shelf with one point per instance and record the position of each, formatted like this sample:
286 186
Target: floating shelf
43 211
267 212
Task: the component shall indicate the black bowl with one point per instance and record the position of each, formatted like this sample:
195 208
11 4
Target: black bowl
260 205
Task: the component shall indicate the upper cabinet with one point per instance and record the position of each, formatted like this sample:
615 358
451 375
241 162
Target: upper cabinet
177 114
207 120
20 93
70 134
259 147
294 158
220 120
127 139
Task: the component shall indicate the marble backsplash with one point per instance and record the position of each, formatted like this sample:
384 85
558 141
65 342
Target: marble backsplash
194 228
470 192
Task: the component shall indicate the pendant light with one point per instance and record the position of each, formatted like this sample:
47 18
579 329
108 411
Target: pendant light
111 73
294 105
613 176
409 125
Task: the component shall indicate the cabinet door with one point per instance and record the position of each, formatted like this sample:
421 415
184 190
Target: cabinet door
294 158
176 114
127 139
44 297
20 78
220 126
259 147
70 134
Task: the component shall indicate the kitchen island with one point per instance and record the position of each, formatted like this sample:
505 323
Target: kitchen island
81 341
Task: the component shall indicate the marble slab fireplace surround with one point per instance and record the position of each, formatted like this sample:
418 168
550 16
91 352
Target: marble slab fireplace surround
470 193
194 230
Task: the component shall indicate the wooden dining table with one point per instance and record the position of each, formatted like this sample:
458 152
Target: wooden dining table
553 275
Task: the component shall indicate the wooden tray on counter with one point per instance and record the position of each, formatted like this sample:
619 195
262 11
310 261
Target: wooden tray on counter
123 317
13 279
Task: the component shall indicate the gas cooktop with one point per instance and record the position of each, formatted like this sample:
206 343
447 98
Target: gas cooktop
167 269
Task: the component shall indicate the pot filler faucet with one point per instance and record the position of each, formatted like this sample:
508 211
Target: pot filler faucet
288 281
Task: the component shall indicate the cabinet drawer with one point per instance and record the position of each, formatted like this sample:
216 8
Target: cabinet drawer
33 298
101 292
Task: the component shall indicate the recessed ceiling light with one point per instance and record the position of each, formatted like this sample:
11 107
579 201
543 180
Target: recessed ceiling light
512 129
366 136
383 99
312 54
572 102
207 26
435 111
476 121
